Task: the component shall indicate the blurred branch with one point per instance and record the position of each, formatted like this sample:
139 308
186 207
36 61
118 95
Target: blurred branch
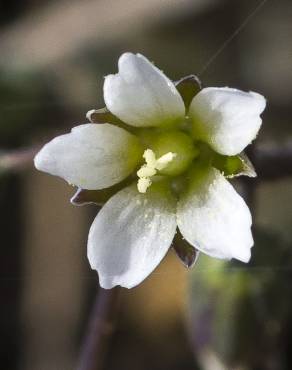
271 160
17 160
101 326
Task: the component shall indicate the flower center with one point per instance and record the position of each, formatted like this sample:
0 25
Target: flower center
176 142
169 154
151 167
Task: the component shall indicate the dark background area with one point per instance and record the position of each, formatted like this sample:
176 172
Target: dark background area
53 56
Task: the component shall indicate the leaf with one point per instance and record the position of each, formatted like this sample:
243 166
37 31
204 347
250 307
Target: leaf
186 252
188 87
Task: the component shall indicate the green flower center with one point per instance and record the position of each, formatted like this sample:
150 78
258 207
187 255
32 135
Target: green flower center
175 142
167 154
174 156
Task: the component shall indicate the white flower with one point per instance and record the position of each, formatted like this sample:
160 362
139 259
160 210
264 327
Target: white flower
178 153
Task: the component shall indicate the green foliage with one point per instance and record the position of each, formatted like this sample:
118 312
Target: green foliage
23 103
240 312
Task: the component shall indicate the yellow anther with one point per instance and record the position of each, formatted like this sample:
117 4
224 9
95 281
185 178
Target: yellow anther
151 167
146 171
143 184
150 158
164 160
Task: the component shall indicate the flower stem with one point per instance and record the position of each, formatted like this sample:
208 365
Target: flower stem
100 328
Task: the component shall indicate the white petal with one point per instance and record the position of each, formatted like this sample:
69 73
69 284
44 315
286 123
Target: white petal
227 119
141 95
130 236
215 219
91 156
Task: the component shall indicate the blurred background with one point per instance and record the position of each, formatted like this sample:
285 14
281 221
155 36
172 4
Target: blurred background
53 57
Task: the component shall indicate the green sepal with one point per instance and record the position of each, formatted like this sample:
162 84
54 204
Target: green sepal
188 87
186 252
234 166
99 197
103 115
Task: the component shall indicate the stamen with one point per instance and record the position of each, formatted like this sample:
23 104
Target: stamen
164 160
150 158
151 167
146 171
143 184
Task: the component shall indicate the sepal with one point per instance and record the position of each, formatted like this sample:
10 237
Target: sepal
185 251
98 197
103 115
188 87
234 166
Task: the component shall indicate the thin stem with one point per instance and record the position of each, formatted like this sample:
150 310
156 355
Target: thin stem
101 326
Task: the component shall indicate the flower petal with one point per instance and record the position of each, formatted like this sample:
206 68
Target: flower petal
130 236
227 119
91 156
141 95
215 219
